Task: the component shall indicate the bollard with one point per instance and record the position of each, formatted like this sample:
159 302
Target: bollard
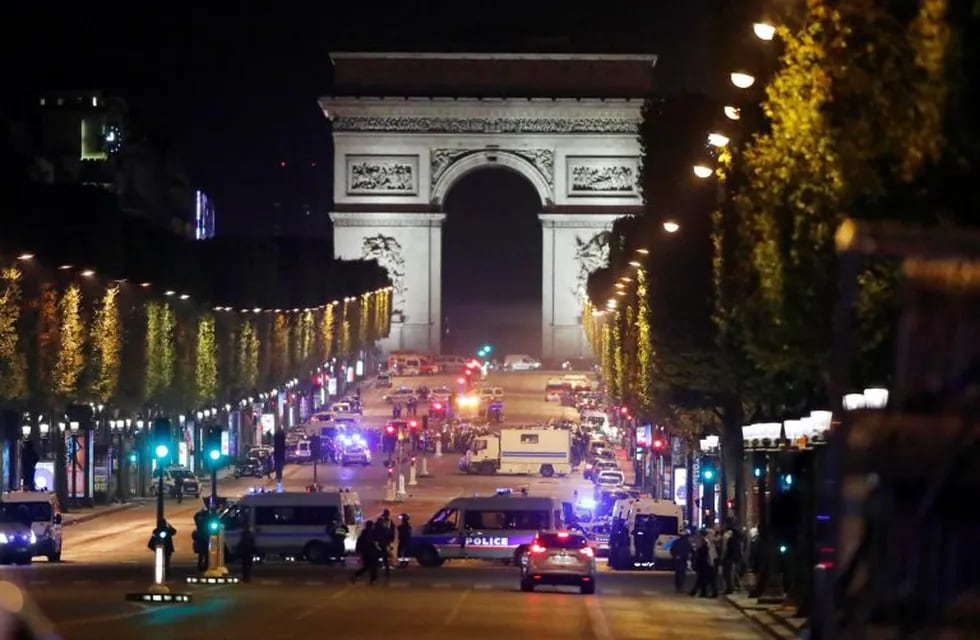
439 447
390 491
401 494
412 480
424 473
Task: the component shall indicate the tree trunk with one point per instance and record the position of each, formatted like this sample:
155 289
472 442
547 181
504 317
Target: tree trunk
733 455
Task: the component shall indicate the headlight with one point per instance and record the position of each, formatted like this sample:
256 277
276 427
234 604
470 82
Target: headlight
33 538
3 538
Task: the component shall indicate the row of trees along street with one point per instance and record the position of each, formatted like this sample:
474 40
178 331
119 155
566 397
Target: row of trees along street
98 307
860 109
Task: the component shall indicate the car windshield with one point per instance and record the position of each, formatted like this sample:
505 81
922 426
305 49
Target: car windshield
562 541
181 473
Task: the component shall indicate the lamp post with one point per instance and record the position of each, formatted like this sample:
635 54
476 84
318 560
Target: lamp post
762 440
44 428
710 447
73 427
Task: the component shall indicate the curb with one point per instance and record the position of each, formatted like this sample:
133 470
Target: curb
764 618
92 515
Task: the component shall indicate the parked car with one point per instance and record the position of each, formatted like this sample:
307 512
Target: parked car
401 394
383 381
249 467
190 485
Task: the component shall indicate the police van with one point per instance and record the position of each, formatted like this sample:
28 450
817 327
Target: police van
293 524
643 529
496 527
41 510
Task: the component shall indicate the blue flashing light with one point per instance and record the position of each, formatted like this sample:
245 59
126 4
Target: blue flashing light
757 472
587 503
162 450
788 479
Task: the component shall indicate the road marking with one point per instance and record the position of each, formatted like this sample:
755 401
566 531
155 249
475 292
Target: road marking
483 587
338 594
455 610
650 593
442 585
597 619
106 618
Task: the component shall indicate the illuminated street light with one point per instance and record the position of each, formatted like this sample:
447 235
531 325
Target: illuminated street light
643 251
169 292
25 256
88 273
184 296
764 30
702 171
716 139
733 113
742 80
64 267
144 284
636 264
671 227
619 285
620 293
626 279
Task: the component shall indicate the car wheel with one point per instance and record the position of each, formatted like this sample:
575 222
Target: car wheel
527 585
428 557
24 560
547 470
316 552
588 588
54 557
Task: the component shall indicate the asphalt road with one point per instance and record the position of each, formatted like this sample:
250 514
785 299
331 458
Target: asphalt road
288 601
106 558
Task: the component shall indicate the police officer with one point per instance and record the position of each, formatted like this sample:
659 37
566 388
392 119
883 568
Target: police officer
339 532
246 552
179 488
404 540
384 535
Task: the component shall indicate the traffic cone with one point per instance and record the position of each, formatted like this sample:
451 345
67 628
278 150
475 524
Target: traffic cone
412 481
424 473
439 447
390 491
401 494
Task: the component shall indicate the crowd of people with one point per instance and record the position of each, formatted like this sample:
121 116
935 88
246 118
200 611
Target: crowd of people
717 555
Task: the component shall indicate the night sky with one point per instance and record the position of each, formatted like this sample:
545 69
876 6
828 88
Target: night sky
235 91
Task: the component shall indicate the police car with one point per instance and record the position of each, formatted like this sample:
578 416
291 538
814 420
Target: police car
354 450
499 527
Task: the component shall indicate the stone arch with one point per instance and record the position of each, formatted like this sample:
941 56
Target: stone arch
491 158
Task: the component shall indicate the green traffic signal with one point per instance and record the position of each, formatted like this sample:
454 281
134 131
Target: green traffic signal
213 526
162 450
214 454
708 474
132 457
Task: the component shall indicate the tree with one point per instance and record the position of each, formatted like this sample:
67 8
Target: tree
279 356
248 355
71 343
160 350
106 346
345 345
206 362
47 342
364 320
307 338
327 331
13 361
644 347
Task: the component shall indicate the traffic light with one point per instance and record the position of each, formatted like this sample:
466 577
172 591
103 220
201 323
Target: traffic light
315 447
161 438
624 411
658 445
132 457
212 445
160 535
214 525
708 474
786 481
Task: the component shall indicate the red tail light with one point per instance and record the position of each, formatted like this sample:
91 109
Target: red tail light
537 548
587 552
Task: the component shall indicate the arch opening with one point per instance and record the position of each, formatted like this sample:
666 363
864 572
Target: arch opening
492 263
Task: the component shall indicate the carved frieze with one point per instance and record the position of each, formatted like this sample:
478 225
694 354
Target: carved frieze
603 176
382 175
421 124
542 159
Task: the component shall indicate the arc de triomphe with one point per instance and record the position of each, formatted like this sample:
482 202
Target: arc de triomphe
406 127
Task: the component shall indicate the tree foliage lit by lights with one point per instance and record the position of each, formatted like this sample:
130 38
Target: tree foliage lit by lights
644 347
344 341
71 343
13 362
307 337
106 345
280 347
364 319
328 331
206 362
248 355
47 335
160 350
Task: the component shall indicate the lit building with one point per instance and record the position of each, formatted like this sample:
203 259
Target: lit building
203 216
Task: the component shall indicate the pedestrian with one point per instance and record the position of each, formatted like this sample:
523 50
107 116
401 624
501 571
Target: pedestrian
404 541
680 551
246 551
384 533
367 548
731 556
201 540
179 488
338 534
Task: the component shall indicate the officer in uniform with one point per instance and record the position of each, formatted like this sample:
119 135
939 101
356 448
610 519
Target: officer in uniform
404 540
338 533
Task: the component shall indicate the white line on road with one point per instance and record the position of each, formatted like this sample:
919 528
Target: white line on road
455 610
338 594
600 626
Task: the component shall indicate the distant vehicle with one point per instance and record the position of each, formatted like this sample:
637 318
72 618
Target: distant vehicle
451 364
300 453
383 381
344 409
555 389
609 479
660 519
520 451
491 393
190 486
249 467
559 557
521 362
354 451
401 394
17 540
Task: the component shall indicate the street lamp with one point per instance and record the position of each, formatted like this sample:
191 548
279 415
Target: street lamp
73 426
742 80
875 398
764 31
732 112
854 402
702 171
26 430
716 139
671 227
762 440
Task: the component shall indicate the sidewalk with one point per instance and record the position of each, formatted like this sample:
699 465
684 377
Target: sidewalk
83 514
779 621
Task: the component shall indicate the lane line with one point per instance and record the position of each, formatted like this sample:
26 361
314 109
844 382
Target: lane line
342 592
597 619
451 618
441 585
270 582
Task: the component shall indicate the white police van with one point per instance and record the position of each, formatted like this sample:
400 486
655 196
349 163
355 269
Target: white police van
294 524
41 509
496 527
